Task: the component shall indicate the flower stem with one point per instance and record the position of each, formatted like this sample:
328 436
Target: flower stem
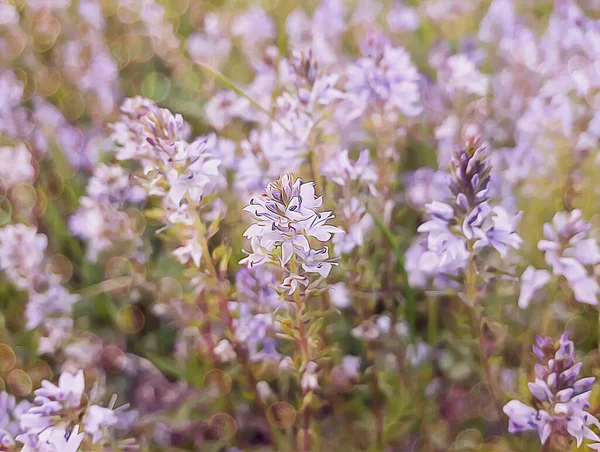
432 319
306 418
206 252
472 301
242 352
232 86
410 311
304 439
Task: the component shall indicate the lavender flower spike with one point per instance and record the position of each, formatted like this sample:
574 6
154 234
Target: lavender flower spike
466 221
560 397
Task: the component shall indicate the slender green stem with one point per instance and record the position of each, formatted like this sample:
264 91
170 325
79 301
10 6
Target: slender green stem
240 349
303 340
232 86
432 319
408 290
471 281
109 285
166 366
472 301
304 439
379 414
206 251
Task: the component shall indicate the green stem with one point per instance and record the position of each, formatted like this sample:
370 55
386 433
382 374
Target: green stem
232 86
106 286
411 311
304 439
472 301
432 319
379 414
206 252
166 367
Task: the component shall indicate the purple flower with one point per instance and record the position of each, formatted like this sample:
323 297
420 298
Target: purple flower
342 170
561 398
460 75
464 223
425 186
17 167
50 304
180 173
58 409
254 28
501 234
52 439
498 22
569 251
339 296
358 224
402 18
211 46
384 80
97 419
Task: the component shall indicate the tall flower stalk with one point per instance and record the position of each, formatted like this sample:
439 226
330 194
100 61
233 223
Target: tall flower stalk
179 173
458 232
287 226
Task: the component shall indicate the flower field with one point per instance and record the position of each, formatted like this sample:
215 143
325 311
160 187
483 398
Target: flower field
299 225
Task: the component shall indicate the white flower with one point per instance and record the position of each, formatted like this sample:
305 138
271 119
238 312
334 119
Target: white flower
16 165
98 417
190 250
461 74
52 440
531 281
224 351
309 381
69 390
285 219
339 296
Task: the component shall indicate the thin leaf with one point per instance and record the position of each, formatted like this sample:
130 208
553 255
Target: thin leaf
165 366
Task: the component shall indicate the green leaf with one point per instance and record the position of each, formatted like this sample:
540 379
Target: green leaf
165 365
315 326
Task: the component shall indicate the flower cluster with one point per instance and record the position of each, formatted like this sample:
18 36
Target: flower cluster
286 220
179 173
301 113
355 177
560 397
383 83
62 417
17 168
50 304
441 134
570 252
466 223
101 219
